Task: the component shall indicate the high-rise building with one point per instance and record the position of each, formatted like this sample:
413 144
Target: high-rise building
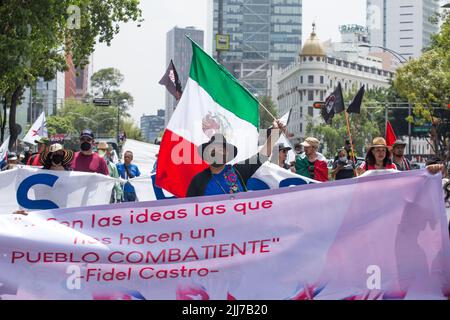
402 25
263 34
152 126
46 96
81 82
70 79
76 80
179 50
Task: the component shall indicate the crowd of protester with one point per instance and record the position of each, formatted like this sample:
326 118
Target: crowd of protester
221 177
92 157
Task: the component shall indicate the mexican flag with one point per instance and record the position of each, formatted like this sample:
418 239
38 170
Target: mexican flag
213 102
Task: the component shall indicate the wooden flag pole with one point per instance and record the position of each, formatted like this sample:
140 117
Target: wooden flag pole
351 141
285 132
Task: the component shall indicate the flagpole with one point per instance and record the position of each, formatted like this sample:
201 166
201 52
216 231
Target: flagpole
285 132
350 138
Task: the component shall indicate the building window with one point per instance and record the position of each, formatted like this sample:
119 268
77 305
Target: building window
310 95
321 95
301 112
310 111
301 79
321 79
310 79
301 127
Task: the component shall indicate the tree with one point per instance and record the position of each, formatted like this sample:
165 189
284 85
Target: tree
101 120
106 80
76 116
131 130
425 82
60 125
106 83
265 119
36 36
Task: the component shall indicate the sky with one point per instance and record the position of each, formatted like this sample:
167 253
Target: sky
140 53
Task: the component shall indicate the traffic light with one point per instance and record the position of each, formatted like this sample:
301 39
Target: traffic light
318 105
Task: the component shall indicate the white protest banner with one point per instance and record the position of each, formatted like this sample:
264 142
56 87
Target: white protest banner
36 189
318 241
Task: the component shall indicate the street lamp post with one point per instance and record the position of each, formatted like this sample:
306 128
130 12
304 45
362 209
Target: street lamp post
80 116
402 60
399 56
122 103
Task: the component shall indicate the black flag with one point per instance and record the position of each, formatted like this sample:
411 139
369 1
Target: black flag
333 104
171 81
355 106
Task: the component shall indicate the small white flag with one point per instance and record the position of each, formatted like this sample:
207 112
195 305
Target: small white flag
37 130
4 149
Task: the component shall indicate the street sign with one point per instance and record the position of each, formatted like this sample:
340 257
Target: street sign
222 42
102 102
424 128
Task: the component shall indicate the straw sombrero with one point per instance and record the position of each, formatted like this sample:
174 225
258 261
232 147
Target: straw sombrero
68 154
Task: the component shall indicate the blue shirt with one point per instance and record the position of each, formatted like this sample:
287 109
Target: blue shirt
225 182
134 171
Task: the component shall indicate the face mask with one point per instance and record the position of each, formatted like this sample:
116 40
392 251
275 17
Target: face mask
343 159
57 159
85 146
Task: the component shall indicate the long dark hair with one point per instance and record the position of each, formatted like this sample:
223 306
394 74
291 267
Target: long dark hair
371 161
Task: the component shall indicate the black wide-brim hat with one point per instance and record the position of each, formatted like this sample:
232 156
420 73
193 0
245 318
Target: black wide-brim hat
204 150
67 158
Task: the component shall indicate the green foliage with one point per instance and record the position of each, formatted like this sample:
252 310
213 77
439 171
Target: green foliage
106 80
131 130
425 82
60 125
101 120
265 119
76 116
35 37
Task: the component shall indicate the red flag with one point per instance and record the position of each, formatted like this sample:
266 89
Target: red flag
390 134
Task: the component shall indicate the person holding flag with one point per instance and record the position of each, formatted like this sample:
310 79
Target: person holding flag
221 177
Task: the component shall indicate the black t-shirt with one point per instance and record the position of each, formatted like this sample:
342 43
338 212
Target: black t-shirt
346 172
244 169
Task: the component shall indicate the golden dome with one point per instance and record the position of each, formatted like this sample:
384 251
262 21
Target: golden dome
313 46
